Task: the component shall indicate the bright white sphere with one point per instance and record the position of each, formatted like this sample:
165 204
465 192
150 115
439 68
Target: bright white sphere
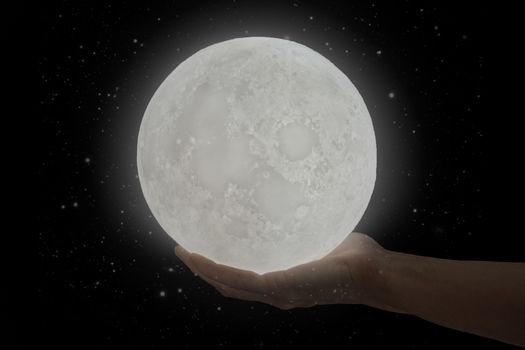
257 153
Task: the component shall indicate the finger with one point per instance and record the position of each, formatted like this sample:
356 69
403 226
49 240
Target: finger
229 276
181 252
317 282
230 292
210 271
184 256
225 290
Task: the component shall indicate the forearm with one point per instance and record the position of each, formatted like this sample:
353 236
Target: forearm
484 298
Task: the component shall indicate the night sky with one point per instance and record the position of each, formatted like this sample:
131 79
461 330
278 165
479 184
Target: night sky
107 273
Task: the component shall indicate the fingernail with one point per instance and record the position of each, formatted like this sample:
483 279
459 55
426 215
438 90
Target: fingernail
179 251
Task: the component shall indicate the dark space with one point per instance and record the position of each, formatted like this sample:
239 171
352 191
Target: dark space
107 275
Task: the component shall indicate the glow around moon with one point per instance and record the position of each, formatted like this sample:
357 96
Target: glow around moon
257 153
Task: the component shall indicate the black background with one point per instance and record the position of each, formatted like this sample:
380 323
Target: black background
107 275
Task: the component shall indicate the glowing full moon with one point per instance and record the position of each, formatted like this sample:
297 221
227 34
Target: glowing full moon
258 153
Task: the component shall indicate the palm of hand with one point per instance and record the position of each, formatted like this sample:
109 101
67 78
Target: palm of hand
337 278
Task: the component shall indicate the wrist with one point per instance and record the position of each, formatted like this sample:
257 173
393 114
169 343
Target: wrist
375 278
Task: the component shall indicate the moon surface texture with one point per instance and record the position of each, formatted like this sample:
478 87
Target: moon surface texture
258 153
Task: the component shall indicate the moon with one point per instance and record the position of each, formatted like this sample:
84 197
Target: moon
258 153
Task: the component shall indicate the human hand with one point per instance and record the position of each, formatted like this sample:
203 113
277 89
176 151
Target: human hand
480 297
343 276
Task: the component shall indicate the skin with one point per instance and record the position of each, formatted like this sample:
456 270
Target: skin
484 298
